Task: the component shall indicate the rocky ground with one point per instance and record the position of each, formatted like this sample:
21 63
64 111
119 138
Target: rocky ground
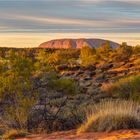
56 111
67 110
92 78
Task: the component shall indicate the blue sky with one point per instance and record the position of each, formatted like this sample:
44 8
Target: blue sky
69 17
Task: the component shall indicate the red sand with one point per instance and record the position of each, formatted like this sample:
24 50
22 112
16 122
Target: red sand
71 135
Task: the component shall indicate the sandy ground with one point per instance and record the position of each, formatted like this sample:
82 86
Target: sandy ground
71 135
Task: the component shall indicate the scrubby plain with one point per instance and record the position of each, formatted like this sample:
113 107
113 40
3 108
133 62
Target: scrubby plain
49 90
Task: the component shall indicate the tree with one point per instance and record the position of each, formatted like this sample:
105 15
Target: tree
87 56
136 49
42 64
63 56
16 90
123 52
104 50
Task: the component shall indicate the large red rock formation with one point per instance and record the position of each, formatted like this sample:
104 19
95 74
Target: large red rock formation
75 43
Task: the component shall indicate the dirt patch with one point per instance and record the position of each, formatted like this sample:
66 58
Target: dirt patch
71 135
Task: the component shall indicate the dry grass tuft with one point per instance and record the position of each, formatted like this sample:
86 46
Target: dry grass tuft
13 134
127 88
112 115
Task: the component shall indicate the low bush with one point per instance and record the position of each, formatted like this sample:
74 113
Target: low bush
123 53
112 115
67 86
87 56
137 61
127 88
63 56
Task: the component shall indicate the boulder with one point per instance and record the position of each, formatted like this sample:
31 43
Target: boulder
111 74
92 73
89 68
129 65
87 78
100 77
87 83
74 68
96 84
77 73
68 73
62 67
93 90
106 67
117 65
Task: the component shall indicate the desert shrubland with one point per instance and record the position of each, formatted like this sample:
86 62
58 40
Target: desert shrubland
48 89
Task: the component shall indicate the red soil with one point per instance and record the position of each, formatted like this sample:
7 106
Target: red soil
71 135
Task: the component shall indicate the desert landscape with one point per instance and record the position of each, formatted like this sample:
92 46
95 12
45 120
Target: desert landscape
70 93
69 69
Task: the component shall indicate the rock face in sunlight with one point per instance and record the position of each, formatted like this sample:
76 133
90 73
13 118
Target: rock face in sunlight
76 43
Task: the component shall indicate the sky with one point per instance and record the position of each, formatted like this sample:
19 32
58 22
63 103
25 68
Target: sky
27 23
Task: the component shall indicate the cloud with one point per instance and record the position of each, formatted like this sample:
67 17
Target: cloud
98 1
60 21
74 22
70 15
129 22
27 23
113 3
34 20
3 27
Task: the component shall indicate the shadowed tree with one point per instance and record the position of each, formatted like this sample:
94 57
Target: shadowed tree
16 91
103 52
123 52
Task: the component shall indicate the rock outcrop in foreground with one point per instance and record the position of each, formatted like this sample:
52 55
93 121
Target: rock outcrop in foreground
75 43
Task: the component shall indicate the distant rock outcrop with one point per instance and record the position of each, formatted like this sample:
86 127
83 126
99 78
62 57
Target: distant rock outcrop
75 43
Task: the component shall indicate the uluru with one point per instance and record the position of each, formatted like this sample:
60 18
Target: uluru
76 43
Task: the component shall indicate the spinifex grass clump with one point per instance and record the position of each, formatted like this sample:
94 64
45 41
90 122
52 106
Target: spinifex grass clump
128 88
13 134
112 115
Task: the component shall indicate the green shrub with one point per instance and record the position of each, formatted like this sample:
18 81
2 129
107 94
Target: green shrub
123 52
67 86
104 51
63 56
136 49
16 91
41 64
112 115
87 56
128 88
